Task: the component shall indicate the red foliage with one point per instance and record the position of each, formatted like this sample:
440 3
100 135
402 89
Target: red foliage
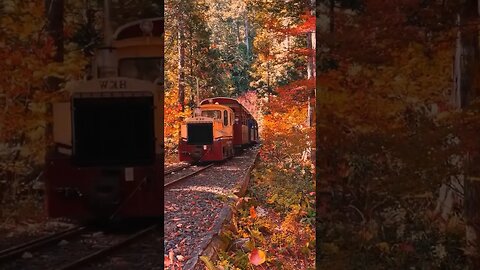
304 51
308 26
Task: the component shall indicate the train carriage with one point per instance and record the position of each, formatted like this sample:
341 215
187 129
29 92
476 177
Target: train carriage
253 130
108 157
242 116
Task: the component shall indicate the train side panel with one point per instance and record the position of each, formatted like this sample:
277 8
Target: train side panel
213 152
93 192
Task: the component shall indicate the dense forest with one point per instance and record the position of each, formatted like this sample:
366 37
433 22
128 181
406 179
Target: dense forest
263 54
397 134
228 48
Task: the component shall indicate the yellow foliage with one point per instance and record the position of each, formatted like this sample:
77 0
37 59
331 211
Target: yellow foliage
173 117
384 247
26 52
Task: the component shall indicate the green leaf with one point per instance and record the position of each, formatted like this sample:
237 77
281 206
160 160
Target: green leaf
208 263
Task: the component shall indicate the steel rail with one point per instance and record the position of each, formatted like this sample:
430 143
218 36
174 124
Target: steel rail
188 175
103 252
176 169
38 243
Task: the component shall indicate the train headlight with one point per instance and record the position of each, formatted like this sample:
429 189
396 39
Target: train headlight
204 147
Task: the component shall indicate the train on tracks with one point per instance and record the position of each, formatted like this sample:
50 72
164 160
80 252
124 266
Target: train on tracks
108 137
218 127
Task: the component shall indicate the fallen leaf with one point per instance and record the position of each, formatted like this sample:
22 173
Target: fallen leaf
208 264
261 212
257 257
170 255
166 261
253 213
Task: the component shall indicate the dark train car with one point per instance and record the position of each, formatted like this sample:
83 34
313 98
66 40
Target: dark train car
219 125
253 130
108 157
241 136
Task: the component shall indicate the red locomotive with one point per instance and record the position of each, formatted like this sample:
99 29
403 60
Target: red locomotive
108 158
218 127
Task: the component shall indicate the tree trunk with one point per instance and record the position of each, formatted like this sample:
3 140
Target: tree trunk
469 67
311 72
54 14
54 10
247 40
237 26
310 57
181 64
332 16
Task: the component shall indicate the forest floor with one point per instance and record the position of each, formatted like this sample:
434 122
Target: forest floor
195 206
273 225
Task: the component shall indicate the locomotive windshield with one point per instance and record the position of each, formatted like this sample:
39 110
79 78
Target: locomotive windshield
216 114
143 68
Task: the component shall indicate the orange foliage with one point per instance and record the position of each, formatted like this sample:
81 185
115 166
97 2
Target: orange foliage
253 213
173 117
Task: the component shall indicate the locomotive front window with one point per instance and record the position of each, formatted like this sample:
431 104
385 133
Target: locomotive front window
144 68
113 131
216 114
225 118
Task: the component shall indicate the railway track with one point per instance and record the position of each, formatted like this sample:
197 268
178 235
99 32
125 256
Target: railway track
181 178
69 258
39 243
105 251
176 169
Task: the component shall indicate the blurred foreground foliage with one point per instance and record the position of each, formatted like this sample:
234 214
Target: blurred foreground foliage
389 138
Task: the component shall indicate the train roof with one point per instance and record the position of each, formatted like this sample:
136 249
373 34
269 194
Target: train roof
208 106
224 100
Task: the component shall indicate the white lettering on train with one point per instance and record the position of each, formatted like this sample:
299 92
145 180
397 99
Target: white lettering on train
113 84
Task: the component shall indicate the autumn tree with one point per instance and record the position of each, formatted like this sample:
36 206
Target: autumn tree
468 92
386 134
33 53
205 48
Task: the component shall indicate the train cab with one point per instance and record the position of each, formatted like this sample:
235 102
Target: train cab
208 134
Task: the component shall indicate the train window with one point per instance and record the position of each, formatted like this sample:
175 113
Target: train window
225 118
143 68
115 131
216 114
